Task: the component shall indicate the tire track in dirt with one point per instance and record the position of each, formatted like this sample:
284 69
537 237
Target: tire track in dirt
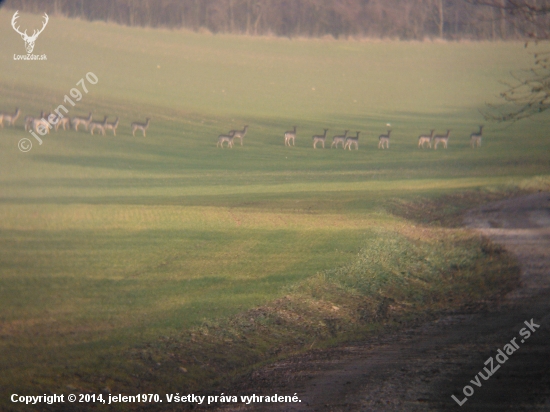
418 369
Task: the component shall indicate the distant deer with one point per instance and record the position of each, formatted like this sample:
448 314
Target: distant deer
384 139
475 138
111 126
352 141
10 118
55 120
319 138
77 121
441 139
140 126
290 135
28 121
36 123
225 138
63 121
424 138
239 134
98 125
339 139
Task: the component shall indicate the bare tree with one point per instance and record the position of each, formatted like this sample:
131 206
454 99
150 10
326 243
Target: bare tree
529 91
405 19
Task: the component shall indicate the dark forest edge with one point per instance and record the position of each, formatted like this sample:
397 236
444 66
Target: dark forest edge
398 19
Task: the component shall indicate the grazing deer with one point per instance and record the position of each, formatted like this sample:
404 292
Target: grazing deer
225 138
239 133
384 139
319 138
441 138
140 126
98 125
424 138
290 135
111 126
352 141
10 118
77 121
339 139
29 40
475 138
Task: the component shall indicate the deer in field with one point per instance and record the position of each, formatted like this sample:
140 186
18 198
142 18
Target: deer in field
111 126
441 139
77 121
98 125
140 126
290 135
384 139
319 138
9 118
352 141
225 138
424 138
475 138
239 134
339 139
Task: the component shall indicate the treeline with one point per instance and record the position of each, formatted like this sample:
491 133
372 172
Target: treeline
403 19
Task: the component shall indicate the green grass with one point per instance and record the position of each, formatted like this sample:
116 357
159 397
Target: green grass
111 242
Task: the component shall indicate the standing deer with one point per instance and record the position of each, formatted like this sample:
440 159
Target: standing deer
98 125
239 133
475 138
339 139
319 138
10 118
63 121
140 126
77 121
441 139
352 141
29 40
424 138
290 135
384 139
225 138
111 126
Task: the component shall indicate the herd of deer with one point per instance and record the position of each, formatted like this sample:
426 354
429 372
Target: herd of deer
47 121
349 141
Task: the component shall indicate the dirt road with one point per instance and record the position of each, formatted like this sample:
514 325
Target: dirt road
420 369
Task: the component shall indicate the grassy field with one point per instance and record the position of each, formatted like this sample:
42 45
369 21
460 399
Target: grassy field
111 243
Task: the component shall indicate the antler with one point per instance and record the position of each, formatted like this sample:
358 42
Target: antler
35 33
15 17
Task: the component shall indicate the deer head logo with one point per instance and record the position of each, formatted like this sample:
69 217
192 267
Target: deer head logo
29 40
